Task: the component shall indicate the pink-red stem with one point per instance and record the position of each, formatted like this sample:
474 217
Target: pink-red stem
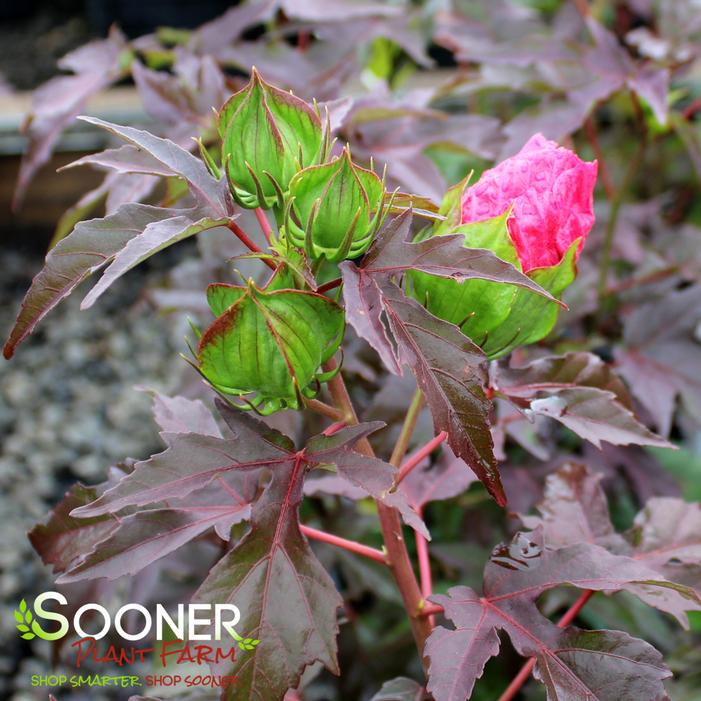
415 458
332 284
350 545
425 579
264 223
248 243
334 428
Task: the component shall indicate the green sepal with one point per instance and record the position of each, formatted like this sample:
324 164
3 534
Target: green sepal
268 343
476 306
451 209
533 317
267 136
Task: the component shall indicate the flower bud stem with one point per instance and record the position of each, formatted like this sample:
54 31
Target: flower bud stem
246 241
264 223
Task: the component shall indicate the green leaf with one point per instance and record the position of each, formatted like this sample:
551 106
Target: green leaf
451 208
270 343
23 606
28 636
22 628
19 617
29 616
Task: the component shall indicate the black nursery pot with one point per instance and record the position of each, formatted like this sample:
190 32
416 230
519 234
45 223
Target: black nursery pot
136 17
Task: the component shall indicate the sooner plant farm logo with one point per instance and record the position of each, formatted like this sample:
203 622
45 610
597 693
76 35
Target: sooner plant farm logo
194 622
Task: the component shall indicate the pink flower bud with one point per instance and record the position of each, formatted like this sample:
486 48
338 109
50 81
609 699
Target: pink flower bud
551 191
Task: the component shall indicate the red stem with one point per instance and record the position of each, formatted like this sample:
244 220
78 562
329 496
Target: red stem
691 109
522 677
334 428
390 521
424 568
329 285
351 545
303 40
250 245
264 223
415 458
431 609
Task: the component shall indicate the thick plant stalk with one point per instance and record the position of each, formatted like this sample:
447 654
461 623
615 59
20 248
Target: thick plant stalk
350 545
390 521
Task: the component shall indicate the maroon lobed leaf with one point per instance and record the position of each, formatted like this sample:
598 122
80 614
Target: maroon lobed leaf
63 540
449 370
211 194
571 663
90 246
666 534
581 392
145 536
286 598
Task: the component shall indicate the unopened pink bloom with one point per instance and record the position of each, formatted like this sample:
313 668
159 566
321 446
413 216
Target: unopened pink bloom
551 190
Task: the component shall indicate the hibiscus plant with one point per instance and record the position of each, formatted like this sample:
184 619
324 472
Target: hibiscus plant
373 356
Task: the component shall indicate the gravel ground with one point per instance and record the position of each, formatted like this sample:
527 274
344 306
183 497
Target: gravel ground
68 409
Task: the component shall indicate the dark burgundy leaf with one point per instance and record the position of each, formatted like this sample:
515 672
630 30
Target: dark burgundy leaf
145 536
449 370
213 195
393 253
580 391
90 246
62 540
154 238
574 509
557 372
666 535
572 664
286 598
662 354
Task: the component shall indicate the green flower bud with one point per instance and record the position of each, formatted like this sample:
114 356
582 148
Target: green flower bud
498 317
267 136
268 343
335 209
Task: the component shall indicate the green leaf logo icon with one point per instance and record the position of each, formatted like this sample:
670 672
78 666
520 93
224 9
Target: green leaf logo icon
245 643
23 620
